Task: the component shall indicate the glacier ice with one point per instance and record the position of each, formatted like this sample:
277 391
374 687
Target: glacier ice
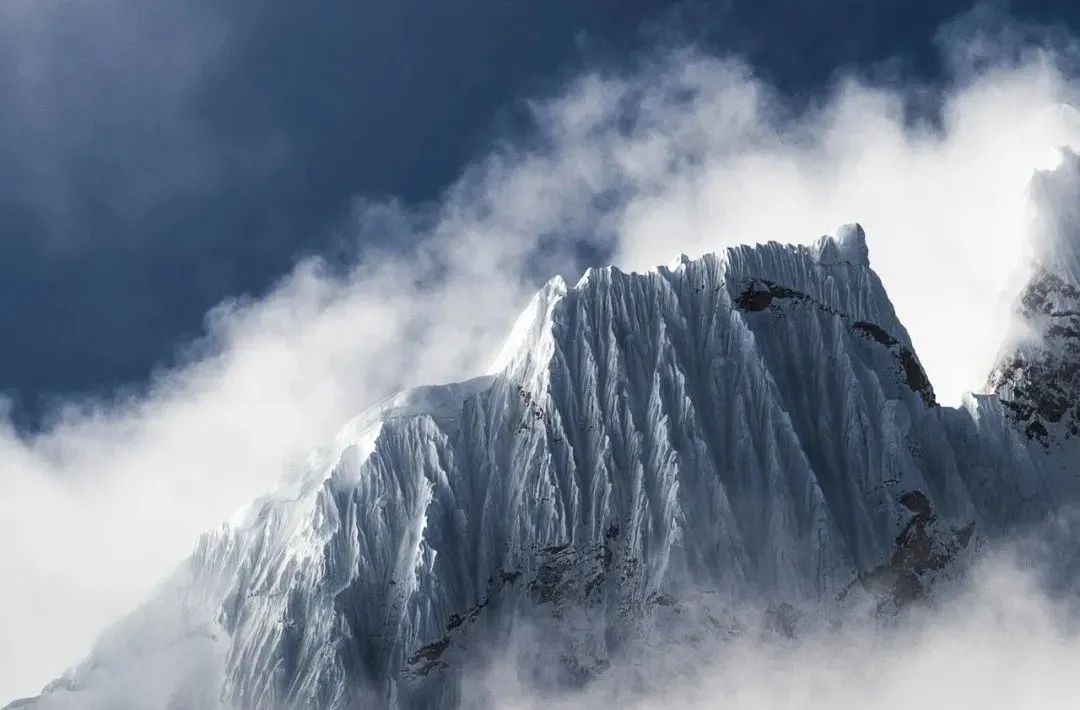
751 425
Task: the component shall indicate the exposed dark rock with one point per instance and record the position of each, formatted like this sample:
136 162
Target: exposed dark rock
916 502
569 574
760 295
547 585
913 373
920 549
1036 430
532 410
663 600
876 332
1039 384
426 658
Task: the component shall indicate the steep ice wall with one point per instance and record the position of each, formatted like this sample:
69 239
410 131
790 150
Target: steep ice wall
748 426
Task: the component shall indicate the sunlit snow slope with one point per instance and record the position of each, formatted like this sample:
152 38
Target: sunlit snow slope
747 429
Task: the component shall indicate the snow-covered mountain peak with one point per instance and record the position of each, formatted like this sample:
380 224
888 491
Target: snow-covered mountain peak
650 451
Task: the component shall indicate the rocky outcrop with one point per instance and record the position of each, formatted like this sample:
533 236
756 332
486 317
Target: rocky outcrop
1039 382
923 548
763 295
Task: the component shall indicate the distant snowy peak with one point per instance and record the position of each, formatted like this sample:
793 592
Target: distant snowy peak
1038 378
1039 381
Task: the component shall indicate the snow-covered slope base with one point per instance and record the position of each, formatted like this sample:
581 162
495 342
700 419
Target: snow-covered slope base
750 433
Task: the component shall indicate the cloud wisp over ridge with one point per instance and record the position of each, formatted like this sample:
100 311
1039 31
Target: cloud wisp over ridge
685 153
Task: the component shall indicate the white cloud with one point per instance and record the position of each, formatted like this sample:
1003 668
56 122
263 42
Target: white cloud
688 153
1003 642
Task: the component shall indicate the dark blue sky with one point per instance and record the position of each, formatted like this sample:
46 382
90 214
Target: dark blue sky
156 158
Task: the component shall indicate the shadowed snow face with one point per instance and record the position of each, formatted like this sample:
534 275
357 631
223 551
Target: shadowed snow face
688 153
